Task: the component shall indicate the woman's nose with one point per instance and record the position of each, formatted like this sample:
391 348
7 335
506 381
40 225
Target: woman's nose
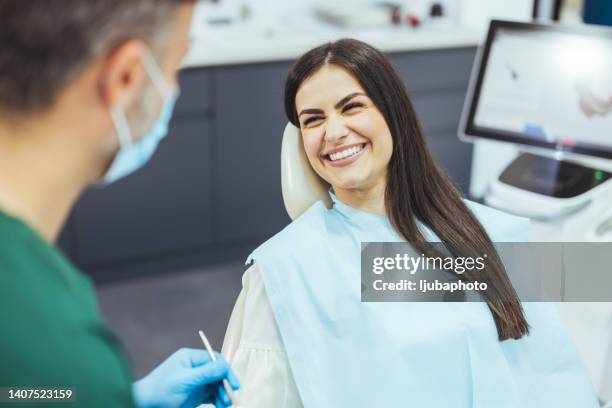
336 130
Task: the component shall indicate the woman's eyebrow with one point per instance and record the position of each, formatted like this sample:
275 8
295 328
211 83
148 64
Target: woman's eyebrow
340 103
347 98
309 111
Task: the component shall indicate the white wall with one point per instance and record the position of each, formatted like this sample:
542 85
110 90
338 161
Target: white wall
473 13
476 14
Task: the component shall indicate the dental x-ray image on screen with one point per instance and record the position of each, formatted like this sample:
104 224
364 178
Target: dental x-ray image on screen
546 86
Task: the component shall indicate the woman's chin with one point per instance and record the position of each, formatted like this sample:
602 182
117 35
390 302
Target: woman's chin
350 184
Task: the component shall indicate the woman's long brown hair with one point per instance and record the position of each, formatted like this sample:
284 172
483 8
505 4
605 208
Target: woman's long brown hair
416 187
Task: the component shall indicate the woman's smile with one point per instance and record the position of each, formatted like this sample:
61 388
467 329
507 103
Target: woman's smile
345 155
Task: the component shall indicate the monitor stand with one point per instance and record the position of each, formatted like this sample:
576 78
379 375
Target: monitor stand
546 189
551 177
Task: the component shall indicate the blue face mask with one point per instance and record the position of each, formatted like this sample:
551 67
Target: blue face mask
132 155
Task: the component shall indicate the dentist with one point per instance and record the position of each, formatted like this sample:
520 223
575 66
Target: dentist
87 89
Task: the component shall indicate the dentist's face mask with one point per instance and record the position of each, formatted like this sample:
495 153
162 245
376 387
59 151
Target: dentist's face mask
133 154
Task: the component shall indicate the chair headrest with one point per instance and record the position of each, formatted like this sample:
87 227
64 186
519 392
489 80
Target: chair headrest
302 187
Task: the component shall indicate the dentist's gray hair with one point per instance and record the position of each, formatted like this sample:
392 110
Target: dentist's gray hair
44 44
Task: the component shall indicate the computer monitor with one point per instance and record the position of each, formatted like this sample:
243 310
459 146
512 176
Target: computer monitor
547 86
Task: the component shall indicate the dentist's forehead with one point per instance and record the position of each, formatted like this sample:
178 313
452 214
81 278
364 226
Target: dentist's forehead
326 87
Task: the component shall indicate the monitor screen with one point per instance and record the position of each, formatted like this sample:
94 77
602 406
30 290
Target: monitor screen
546 86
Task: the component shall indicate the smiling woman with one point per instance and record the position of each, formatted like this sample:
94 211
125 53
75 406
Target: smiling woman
348 94
345 127
300 335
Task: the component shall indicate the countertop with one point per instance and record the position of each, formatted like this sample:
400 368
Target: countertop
288 38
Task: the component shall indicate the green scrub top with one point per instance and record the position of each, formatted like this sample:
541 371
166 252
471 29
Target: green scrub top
52 334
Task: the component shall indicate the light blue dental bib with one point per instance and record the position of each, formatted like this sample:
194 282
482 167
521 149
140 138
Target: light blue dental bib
344 353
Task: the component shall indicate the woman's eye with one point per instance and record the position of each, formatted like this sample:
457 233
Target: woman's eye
351 106
311 120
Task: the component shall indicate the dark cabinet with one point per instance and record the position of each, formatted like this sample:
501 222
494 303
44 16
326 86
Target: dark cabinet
435 69
250 124
164 207
196 98
453 157
439 112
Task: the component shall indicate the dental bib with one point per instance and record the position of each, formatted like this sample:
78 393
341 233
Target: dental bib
345 353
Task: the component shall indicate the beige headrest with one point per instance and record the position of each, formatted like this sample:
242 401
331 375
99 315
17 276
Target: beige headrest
302 187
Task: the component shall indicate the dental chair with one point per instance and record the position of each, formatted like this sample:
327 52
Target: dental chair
301 186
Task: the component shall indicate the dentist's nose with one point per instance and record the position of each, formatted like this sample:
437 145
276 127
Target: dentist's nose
336 131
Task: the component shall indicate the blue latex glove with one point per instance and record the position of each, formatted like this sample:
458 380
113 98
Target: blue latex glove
186 379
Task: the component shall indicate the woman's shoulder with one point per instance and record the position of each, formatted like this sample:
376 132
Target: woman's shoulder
501 226
308 228
259 330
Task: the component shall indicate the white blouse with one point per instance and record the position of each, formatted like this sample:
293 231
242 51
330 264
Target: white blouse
255 350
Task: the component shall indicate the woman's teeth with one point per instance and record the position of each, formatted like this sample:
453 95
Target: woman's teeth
346 152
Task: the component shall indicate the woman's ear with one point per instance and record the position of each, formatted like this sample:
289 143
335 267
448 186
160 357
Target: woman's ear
301 186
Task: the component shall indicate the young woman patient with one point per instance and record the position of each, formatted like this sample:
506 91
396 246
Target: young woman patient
300 335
